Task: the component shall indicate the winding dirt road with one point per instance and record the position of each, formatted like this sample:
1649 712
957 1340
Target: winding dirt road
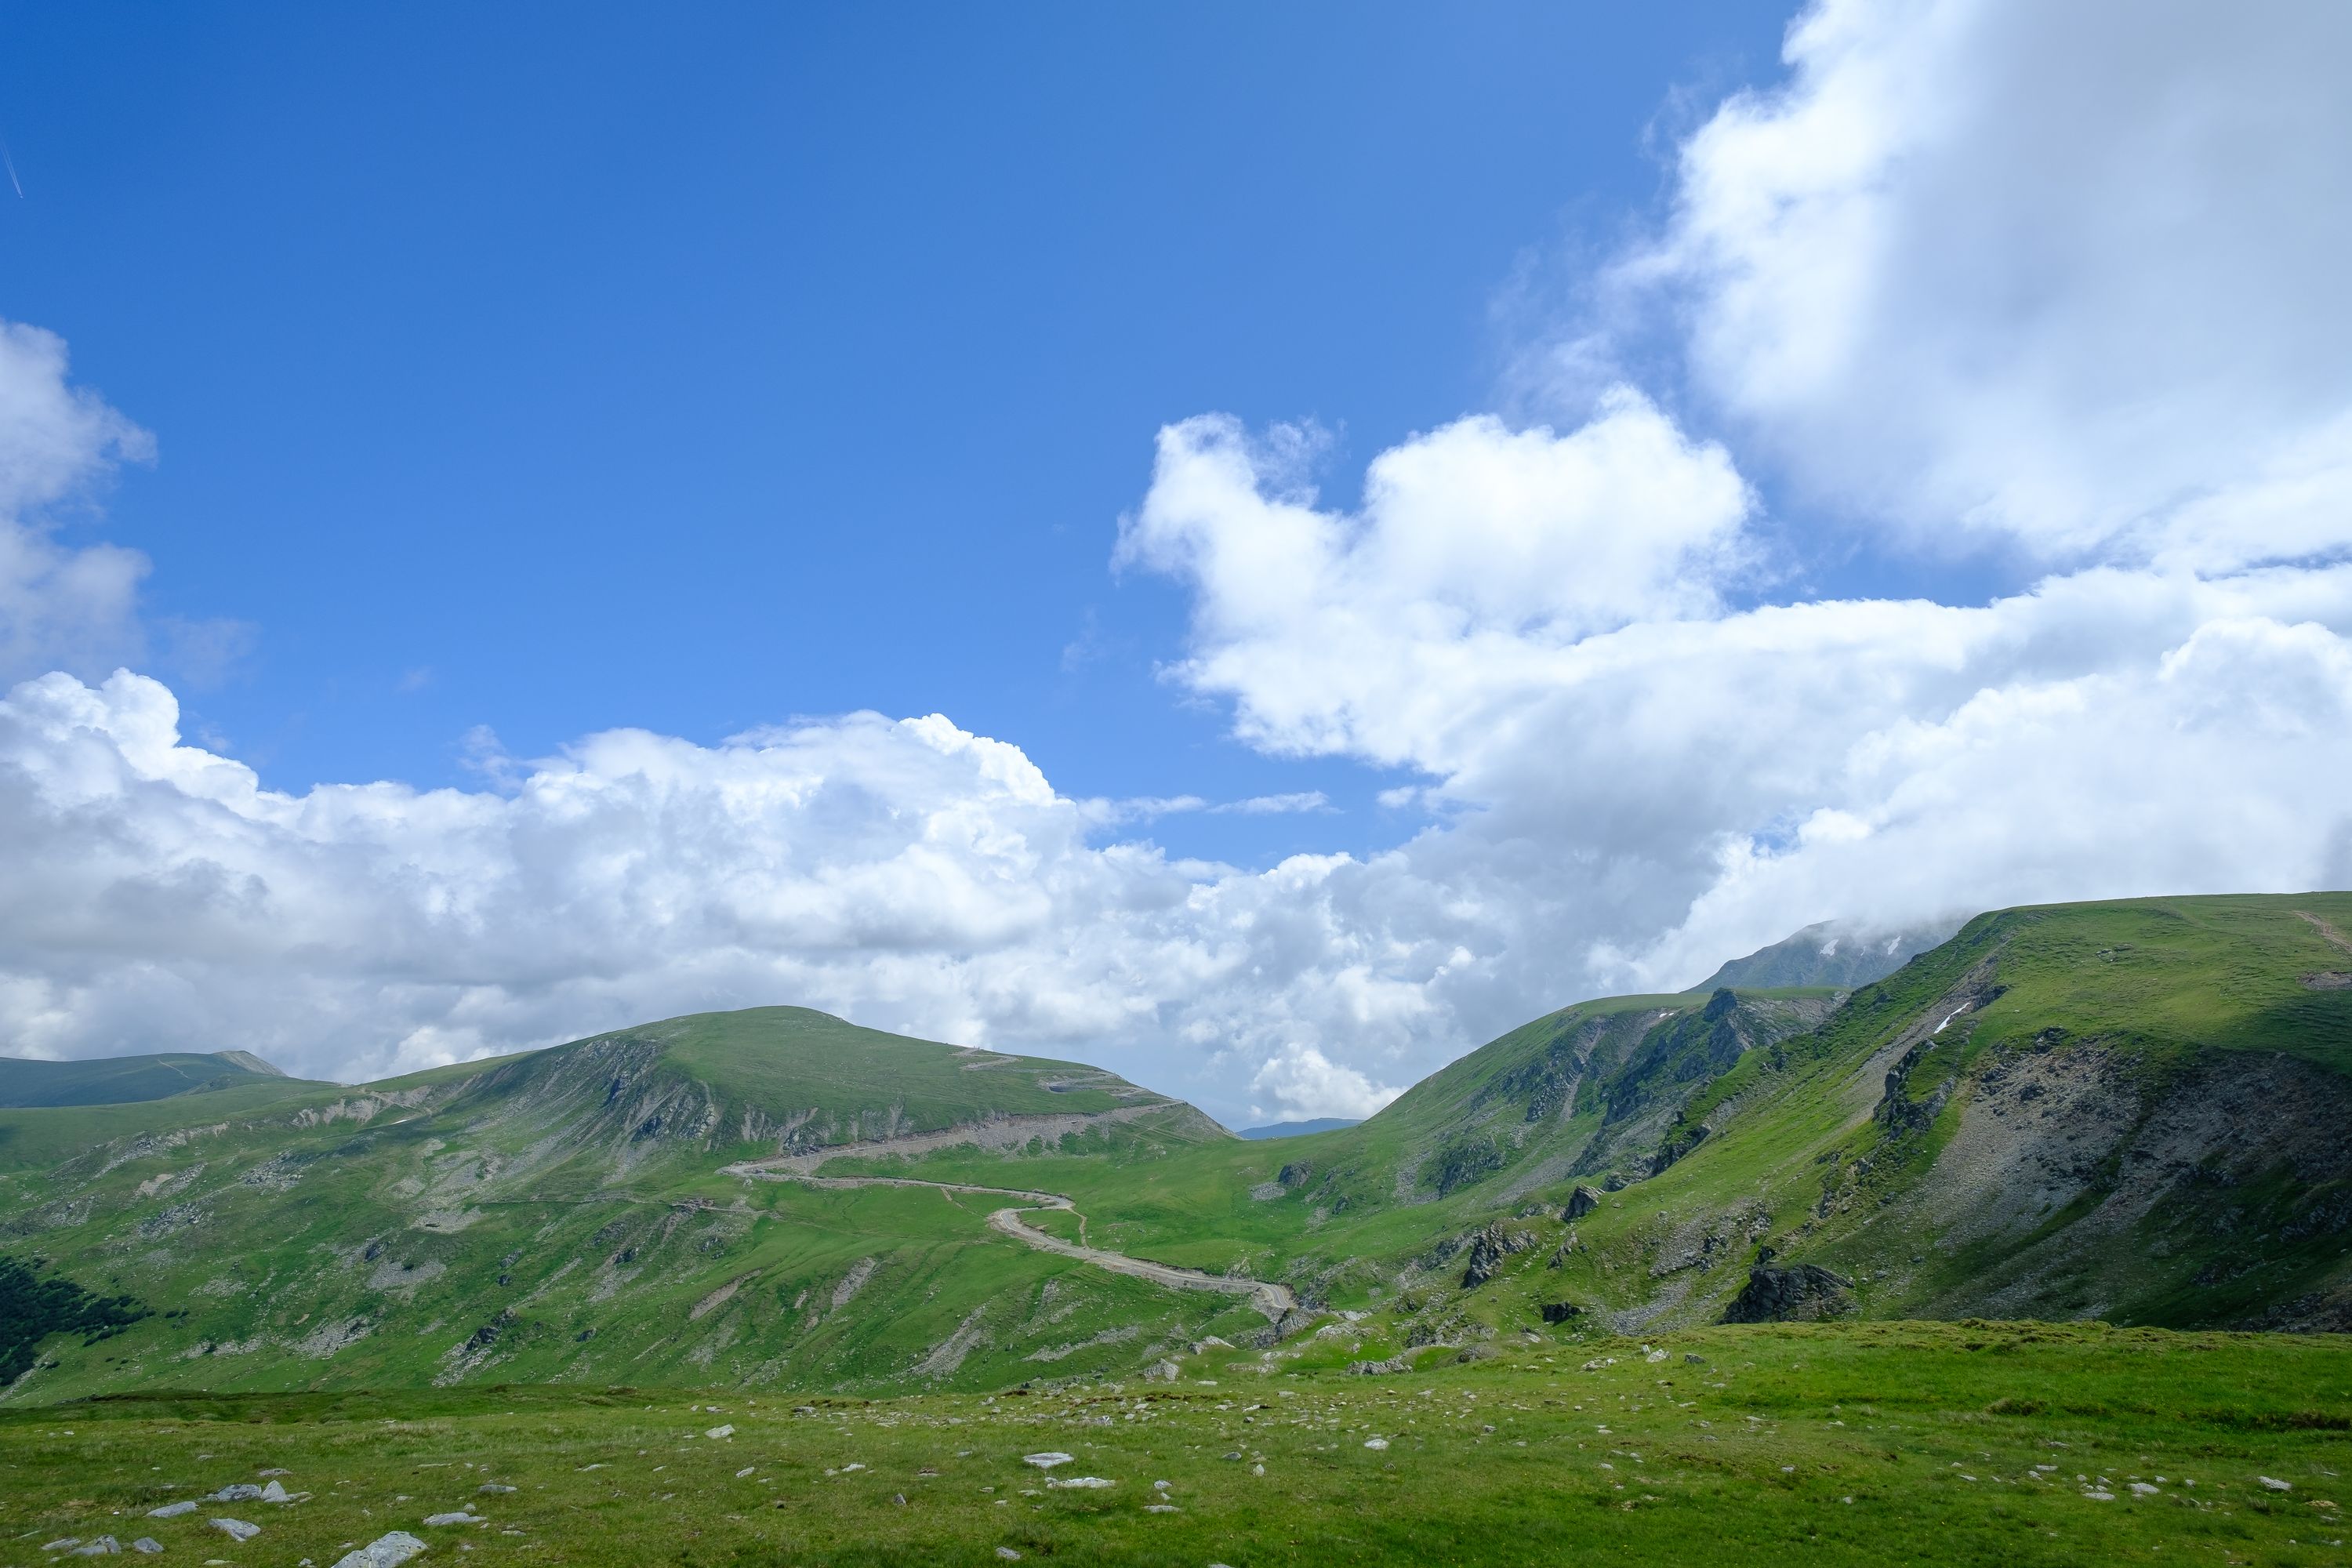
1267 1297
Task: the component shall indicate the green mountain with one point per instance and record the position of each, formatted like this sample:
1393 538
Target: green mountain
117 1080
1832 953
2138 1111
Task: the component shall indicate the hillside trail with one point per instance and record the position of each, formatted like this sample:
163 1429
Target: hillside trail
1267 1297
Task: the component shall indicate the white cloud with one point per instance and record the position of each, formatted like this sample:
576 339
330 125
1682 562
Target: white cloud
59 607
2065 275
1303 1084
2058 277
1295 802
906 873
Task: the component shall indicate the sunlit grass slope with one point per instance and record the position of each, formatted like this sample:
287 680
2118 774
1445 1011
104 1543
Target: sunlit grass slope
1942 1444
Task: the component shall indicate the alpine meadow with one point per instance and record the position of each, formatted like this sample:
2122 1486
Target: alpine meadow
1216 787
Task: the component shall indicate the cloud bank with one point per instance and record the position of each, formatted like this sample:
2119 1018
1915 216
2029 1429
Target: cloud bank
2051 287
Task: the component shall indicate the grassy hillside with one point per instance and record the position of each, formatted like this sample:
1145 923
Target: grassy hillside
562 1216
116 1080
2136 1112
1932 1444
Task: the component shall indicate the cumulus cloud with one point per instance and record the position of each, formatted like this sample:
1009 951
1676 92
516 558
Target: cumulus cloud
904 872
59 607
2062 275
2053 277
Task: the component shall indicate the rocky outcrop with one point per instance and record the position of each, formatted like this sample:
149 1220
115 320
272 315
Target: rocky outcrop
1560 1311
1488 1246
1582 1201
1799 1292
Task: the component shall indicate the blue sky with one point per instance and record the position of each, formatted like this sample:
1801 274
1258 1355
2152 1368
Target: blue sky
557 368
1666 476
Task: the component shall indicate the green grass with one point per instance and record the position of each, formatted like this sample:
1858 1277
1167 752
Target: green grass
522 1220
116 1080
1945 1444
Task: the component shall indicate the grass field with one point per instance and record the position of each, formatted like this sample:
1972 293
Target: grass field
1960 1443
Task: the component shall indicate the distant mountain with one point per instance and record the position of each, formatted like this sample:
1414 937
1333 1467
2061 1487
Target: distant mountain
2138 1112
1300 1128
125 1080
1837 953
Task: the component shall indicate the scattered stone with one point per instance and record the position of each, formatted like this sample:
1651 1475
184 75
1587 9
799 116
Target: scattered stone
460 1517
277 1470
2273 1484
384 1551
1401 1361
62 1543
1690 1359
1047 1462
147 1545
2143 1489
172 1511
274 1492
2100 1495
1089 1483
1008 1554
1597 1362
1376 1444
1654 1357
242 1491
739 1475
1162 1371
718 1432
237 1528
104 1546
1162 1508
493 1487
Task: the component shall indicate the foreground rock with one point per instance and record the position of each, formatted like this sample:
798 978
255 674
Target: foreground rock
384 1551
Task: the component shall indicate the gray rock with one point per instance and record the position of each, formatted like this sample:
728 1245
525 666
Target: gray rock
384 1551
274 1492
147 1545
493 1487
1801 1290
237 1528
1560 1311
1582 1201
460 1517
1488 1246
104 1546
172 1511
240 1491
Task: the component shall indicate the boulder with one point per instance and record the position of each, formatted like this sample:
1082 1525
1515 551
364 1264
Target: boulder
1560 1311
1582 1201
1800 1291
384 1551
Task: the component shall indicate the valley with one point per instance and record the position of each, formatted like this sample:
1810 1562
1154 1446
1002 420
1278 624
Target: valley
2136 1114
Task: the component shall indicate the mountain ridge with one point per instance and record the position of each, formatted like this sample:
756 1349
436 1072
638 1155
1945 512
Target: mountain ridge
2138 1111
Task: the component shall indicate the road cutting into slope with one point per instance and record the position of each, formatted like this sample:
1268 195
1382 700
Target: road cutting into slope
1273 1300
